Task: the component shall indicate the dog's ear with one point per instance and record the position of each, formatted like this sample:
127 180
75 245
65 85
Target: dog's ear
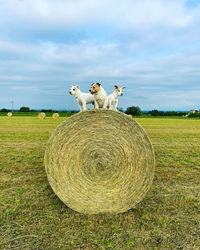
98 84
123 87
92 83
116 87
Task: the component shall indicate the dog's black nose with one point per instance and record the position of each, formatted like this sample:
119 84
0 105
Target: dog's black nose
121 94
89 90
70 92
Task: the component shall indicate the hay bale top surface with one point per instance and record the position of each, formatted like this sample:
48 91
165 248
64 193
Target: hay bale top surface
9 114
99 161
55 115
41 115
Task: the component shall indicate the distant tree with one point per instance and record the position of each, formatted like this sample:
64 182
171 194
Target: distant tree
5 110
155 112
24 109
47 110
73 111
182 113
133 110
196 114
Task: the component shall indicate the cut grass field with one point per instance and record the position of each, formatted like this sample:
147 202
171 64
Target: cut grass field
32 217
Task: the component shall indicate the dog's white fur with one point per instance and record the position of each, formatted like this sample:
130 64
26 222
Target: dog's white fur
113 98
100 97
81 97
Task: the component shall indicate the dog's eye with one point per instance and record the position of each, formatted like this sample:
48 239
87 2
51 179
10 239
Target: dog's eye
73 89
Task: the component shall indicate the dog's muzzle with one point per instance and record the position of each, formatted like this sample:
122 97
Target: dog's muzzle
70 92
92 93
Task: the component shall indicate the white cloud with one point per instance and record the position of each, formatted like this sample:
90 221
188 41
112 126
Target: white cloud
177 100
152 47
82 52
85 60
25 88
14 77
13 47
127 14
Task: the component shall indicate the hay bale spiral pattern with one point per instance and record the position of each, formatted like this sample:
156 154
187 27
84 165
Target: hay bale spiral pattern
99 161
55 115
41 115
9 114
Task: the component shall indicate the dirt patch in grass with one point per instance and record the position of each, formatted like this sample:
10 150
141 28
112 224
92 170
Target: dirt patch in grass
32 217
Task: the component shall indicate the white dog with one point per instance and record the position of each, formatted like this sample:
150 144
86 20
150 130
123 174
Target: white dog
113 98
82 98
100 96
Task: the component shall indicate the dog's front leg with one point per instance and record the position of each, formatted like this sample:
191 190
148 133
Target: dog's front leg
84 106
116 105
110 104
80 107
105 103
96 105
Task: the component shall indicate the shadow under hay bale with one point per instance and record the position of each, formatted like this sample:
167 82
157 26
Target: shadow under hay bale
55 115
99 161
42 115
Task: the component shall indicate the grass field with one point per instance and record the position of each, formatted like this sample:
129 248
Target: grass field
32 217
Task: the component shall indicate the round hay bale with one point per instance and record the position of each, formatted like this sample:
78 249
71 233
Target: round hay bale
99 161
9 114
41 115
55 115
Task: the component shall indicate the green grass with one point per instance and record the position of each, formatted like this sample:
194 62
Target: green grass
32 217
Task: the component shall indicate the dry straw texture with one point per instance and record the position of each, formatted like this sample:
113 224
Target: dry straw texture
41 115
99 161
9 114
55 115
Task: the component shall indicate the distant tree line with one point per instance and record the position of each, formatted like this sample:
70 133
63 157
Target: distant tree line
133 110
5 110
52 111
27 109
196 114
155 112
136 111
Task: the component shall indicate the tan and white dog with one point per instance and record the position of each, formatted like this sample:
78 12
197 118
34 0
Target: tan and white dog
100 96
113 98
82 98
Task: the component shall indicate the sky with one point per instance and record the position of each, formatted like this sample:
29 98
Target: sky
152 47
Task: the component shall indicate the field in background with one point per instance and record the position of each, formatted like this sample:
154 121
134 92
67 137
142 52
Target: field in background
35 114
32 217
68 114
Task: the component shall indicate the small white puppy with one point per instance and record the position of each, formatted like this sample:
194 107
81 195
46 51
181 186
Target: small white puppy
100 96
113 98
82 98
